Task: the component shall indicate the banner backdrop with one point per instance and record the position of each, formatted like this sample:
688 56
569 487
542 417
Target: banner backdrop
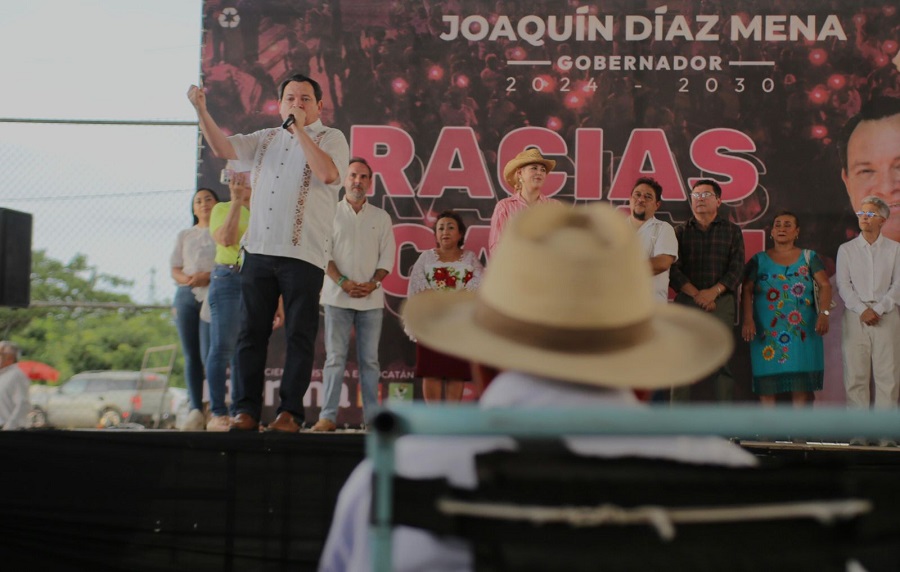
438 96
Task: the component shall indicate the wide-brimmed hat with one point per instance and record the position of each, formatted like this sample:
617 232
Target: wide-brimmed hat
526 157
568 295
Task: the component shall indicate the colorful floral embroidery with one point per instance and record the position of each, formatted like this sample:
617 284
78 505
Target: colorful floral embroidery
448 278
300 209
787 324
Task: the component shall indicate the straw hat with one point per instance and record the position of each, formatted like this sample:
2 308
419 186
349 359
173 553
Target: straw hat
568 295
526 157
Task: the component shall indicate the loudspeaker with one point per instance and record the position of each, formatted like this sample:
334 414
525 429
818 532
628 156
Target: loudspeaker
15 258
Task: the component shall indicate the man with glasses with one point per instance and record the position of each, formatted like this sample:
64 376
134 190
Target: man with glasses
869 151
709 269
657 237
868 279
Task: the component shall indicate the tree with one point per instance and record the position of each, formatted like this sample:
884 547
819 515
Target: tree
74 339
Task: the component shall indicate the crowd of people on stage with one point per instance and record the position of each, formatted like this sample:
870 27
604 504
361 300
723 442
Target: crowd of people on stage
272 255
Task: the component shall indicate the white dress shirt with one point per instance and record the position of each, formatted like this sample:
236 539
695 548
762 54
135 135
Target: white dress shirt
291 210
868 275
363 242
195 251
658 237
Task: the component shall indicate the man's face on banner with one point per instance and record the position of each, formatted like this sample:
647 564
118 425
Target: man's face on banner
873 167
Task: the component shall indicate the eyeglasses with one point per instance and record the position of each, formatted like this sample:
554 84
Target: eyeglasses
702 195
867 214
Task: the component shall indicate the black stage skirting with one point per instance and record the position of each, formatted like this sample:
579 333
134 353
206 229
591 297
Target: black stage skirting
165 500
154 500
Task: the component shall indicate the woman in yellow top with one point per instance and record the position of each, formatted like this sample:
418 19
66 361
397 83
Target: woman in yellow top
227 225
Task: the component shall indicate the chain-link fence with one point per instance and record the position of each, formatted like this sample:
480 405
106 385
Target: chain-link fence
117 192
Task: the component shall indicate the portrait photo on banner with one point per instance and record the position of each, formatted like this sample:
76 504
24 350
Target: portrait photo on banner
439 96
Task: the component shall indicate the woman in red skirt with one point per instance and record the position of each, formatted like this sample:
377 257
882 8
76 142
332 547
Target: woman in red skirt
446 267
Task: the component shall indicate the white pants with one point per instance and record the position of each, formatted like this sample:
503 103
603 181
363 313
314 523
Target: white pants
867 350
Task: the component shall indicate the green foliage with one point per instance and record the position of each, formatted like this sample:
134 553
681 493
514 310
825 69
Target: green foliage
79 339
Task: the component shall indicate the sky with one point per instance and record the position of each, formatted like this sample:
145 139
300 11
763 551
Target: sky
116 193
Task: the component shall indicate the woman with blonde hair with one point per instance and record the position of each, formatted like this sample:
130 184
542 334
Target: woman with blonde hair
526 173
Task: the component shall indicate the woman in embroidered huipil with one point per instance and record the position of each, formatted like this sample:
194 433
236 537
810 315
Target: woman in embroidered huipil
446 267
780 317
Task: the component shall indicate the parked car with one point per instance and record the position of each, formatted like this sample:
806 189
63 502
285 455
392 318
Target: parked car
100 399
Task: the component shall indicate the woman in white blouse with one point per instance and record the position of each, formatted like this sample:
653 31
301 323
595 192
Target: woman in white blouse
192 261
446 267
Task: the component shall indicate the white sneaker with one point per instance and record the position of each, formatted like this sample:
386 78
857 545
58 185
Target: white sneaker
219 423
195 421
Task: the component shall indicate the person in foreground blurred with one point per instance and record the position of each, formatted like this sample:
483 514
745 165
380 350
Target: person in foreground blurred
227 224
780 318
526 173
868 278
15 402
572 340
446 267
191 262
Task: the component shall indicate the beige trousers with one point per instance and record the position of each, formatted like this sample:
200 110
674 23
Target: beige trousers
869 350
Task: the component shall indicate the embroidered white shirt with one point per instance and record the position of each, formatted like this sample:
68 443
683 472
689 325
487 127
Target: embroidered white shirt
291 210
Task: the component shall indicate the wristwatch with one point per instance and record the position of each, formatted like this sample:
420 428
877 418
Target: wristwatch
377 284
825 312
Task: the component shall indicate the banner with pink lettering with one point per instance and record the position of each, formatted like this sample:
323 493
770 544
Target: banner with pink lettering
439 95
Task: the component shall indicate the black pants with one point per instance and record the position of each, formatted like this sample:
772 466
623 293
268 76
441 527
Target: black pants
263 279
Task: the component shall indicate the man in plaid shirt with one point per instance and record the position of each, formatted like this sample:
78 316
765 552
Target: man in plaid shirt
708 270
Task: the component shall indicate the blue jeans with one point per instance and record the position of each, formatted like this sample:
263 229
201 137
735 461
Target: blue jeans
338 323
194 334
225 309
263 279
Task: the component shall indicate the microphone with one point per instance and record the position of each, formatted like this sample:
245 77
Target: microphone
288 122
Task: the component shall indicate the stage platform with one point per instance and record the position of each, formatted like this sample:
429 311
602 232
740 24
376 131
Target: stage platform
168 500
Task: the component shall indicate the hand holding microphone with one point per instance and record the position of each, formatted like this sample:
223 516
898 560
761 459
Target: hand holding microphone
296 115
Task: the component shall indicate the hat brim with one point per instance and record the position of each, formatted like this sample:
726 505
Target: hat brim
684 345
